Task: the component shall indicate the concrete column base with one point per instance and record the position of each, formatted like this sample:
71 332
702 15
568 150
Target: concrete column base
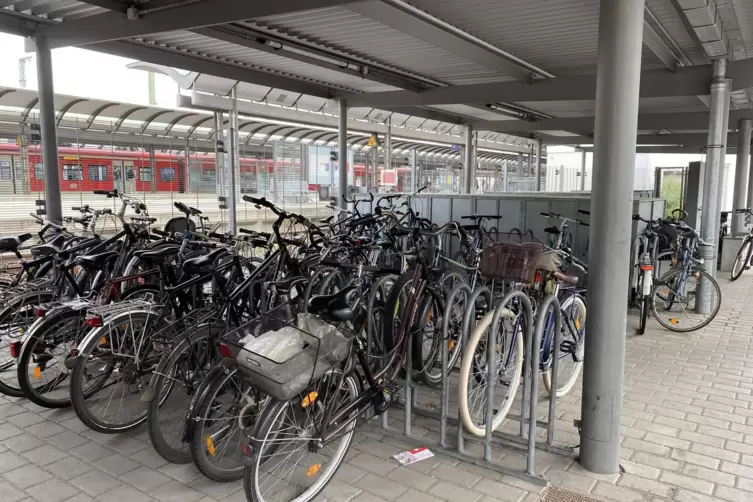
730 247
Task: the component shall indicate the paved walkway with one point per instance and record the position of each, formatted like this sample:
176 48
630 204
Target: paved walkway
687 437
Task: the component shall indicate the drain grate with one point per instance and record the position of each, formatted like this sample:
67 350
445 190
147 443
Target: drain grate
560 495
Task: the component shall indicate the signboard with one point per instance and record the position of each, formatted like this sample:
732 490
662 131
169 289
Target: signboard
455 148
372 140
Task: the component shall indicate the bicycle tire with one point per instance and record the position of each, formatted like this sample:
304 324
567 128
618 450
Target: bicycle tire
174 452
56 323
80 395
199 444
272 413
391 311
8 369
578 367
711 316
645 309
466 366
745 250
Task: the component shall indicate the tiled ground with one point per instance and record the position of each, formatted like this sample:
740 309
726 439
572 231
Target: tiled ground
687 437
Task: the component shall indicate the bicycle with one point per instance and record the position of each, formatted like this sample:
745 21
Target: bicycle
744 257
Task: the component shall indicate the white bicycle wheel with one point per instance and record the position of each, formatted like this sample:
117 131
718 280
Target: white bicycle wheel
569 368
472 385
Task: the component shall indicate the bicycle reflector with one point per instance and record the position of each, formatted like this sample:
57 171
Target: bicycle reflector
647 267
15 349
39 311
225 351
538 277
94 321
247 450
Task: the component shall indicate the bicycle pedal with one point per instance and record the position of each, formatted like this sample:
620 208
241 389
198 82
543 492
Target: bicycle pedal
568 347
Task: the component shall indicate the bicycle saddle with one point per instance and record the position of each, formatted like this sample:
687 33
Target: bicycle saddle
470 228
159 254
337 307
570 279
97 261
43 250
202 264
552 230
12 243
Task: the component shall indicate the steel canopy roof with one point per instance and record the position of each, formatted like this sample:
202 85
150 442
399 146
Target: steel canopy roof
392 53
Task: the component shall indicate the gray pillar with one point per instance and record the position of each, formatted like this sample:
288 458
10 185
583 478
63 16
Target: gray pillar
219 156
583 171
233 150
723 171
618 81
414 171
388 145
749 199
468 161
53 202
740 196
504 175
342 156
539 145
375 169
711 176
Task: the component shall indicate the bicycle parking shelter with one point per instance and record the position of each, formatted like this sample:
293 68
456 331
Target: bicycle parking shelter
477 86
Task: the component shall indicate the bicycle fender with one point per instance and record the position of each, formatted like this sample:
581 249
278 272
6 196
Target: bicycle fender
96 334
215 375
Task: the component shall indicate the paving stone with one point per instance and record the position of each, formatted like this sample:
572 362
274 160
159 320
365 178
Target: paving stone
150 458
499 490
68 468
124 493
184 473
416 496
714 476
44 429
95 482
22 442
646 485
641 470
731 494
453 493
10 409
117 464
684 495
10 461
213 489
689 482
25 419
695 458
10 494
618 493
91 452
26 476
146 479
373 464
53 490
337 491
9 430
658 461
406 477
715 452
176 492
455 475
67 440
44 455
737 469
382 487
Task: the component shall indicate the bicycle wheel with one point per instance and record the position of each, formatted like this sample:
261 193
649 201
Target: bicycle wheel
176 378
217 438
433 375
375 349
114 365
15 321
645 305
395 310
291 463
473 383
673 300
742 260
571 347
42 374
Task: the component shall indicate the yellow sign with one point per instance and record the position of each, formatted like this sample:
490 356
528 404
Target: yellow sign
19 141
372 141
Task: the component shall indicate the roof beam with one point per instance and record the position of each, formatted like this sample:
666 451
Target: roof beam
684 139
405 18
654 42
687 81
698 121
184 15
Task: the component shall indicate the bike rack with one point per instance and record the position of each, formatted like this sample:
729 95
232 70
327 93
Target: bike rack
525 442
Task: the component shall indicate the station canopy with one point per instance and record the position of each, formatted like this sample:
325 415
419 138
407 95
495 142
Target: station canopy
516 70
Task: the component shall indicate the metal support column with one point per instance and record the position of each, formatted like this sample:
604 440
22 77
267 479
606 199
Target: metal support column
231 169
342 156
52 195
715 147
505 170
741 175
414 171
468 162
375 169
219 156
388 145
539 146
723 171
617 92
583 171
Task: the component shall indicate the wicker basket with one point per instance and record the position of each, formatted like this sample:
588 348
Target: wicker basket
511 258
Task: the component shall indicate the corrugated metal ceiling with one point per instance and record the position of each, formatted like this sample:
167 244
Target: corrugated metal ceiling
352 33
675 25
52 9
744 11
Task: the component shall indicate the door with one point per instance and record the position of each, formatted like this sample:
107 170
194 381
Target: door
669 184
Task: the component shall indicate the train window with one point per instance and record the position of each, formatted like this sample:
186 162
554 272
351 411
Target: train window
97 173
5 170
167 174
39 171
72 172
145 174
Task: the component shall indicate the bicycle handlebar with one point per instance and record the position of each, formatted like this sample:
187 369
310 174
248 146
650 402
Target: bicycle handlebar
452 225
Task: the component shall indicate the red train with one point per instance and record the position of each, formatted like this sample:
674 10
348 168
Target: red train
102 169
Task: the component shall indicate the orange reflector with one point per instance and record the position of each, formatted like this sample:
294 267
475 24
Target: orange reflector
452 344
428 315
37 372
309 400
210 445
647 267
674 320
313 469
102 340
577 323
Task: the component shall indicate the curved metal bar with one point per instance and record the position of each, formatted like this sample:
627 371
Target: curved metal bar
320 136
6 91
198 123
93 116
67 107
175 121
28 109
273 132
254 131
127 114
293 132
331 137
534 345
304 136
150 119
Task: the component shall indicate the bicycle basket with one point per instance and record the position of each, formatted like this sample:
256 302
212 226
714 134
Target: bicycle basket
511 259
282 353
